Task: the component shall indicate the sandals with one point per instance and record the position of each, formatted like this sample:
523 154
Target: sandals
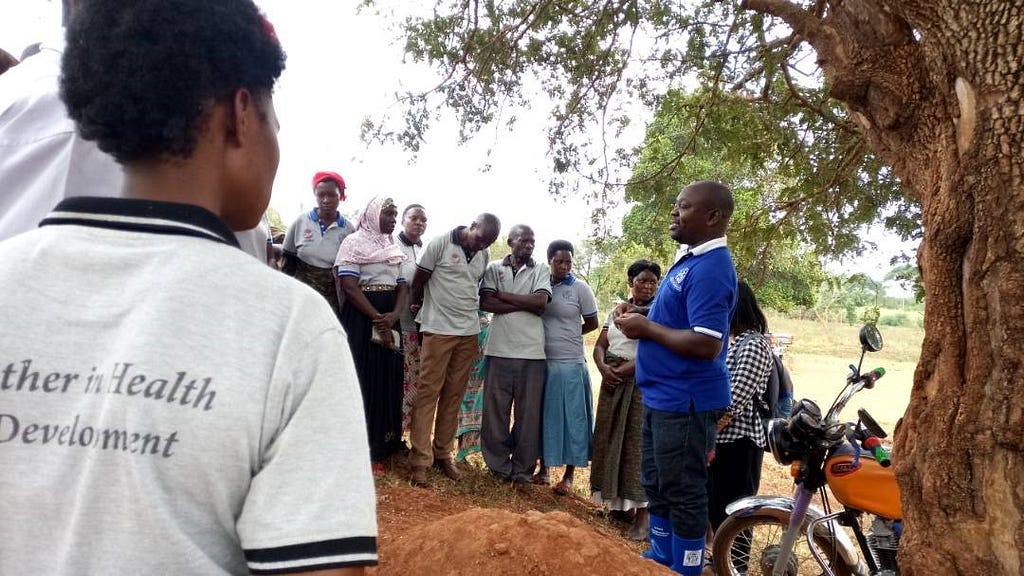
563 488
541 479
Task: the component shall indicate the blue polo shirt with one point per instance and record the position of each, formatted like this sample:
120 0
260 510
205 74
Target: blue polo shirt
699 294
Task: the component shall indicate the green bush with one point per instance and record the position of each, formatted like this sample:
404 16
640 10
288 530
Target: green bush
898 319
851 313
870 315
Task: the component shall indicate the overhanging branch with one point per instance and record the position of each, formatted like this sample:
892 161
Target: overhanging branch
804 23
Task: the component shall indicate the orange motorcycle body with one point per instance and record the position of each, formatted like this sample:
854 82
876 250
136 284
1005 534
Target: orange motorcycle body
864 485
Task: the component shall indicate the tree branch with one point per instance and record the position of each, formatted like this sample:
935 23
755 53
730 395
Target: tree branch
803 23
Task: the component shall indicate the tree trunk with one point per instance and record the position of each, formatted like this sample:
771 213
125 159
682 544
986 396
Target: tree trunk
936 85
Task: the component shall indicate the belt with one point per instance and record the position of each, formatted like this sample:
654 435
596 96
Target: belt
378 287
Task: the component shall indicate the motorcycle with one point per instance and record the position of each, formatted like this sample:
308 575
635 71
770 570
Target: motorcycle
791 536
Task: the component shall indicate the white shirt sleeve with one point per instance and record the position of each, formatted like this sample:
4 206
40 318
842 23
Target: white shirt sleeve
311 505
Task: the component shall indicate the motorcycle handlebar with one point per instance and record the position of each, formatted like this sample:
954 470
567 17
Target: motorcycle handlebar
874 445
870 378
854 385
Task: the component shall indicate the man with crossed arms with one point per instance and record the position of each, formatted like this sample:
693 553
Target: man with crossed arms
516 290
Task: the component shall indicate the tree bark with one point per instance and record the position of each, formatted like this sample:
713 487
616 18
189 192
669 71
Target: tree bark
936 86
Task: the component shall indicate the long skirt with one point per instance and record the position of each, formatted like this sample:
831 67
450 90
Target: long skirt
380 377
472 409
411 343
319 279
568 420
734 473
618 431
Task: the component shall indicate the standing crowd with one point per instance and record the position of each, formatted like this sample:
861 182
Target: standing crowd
267 468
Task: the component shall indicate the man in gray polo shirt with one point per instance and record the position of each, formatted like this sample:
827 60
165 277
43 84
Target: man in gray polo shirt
516 290
445 296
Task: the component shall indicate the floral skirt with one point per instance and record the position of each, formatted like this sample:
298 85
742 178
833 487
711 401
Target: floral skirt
412 343
472 410
319 279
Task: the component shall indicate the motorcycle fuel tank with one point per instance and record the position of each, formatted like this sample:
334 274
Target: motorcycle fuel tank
864 485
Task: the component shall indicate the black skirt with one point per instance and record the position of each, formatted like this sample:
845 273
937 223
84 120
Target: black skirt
380 376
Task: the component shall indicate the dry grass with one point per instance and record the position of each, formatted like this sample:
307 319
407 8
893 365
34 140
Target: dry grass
820 355
902 343
818 361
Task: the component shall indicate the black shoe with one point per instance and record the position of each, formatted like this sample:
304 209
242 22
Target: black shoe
449 469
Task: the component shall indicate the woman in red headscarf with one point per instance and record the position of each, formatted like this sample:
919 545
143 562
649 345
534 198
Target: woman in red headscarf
369 274
312 242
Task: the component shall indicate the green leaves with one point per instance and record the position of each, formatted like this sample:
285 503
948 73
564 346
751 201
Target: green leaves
735 96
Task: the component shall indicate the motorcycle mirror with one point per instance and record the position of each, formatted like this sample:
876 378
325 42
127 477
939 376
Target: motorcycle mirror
870 338
869 423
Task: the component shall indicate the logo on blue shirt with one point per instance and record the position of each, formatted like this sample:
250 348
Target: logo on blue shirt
677 280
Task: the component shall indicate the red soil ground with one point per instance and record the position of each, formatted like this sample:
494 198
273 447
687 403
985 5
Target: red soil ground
482 527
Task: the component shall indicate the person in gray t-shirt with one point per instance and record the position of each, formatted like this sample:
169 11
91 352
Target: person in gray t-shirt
568 400
516 290
313 240
205 401
446 301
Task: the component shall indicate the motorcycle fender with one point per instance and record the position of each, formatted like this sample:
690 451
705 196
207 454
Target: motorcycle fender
781 508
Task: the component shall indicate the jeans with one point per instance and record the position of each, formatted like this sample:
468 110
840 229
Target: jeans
675 460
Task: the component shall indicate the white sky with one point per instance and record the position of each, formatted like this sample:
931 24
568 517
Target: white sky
343 66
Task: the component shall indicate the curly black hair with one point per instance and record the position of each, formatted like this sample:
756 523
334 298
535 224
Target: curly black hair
641 266
138 77
559 245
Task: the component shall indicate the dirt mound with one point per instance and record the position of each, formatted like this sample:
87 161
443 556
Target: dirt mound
494 542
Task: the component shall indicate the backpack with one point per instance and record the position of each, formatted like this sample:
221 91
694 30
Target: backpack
778 393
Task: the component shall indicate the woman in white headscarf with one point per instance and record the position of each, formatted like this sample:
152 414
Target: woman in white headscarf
369 273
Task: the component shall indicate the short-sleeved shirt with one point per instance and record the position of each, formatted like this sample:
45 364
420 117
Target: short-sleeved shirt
412 252
158 415
451 299
516 334
572 300
699 294
315 242
373 273
618 343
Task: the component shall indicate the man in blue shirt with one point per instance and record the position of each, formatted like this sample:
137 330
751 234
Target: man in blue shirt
680 368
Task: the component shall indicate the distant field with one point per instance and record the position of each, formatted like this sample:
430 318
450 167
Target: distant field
821 353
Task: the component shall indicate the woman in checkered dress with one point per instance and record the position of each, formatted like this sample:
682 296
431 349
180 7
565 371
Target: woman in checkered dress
735 470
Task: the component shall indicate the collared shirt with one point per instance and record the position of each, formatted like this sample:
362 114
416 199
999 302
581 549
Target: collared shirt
43 160
699 294
314 242
750 365
197 386
516 334
412 252
406 242
450 299
572 301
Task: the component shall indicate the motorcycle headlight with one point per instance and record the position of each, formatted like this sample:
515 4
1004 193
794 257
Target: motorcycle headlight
780 442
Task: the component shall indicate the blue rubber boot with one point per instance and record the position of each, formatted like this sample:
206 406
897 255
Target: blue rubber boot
687 556
660 536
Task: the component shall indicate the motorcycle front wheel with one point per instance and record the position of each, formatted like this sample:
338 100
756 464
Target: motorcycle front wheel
750 545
